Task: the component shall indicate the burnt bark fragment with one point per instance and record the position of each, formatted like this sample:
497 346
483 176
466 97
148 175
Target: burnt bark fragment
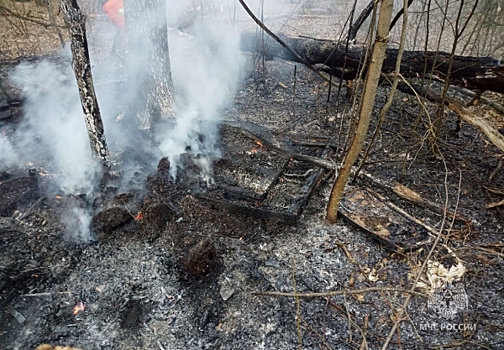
75 22
114 212
482 73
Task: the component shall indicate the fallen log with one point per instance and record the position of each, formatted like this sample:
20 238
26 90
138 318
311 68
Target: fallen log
479 73
486 126
476 97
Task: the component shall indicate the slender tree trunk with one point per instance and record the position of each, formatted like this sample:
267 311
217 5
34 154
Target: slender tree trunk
75 21
368 99
149 61
52 19
390 98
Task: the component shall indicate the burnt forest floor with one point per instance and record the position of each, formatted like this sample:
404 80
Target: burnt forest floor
187 280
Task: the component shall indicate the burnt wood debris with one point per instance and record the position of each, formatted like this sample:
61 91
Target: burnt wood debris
182 262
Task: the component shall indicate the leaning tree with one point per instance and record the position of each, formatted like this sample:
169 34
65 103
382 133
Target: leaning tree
76 24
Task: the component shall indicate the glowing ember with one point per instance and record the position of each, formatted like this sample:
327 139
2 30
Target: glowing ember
58 197
139 217
78 308
259 143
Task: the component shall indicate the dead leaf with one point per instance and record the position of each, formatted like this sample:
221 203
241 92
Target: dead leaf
352 281
359 297
52 347
373 276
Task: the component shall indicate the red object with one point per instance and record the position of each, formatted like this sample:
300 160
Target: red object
115 11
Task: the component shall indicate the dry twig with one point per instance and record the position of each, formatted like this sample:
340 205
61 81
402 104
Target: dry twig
45 294
340 292
363 270
298 304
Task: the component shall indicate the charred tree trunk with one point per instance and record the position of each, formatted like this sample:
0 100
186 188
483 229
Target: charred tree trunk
149 61
75 21
482 73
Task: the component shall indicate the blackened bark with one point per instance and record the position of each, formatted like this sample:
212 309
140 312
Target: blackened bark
352 33
482 73
75 21
149 61
398 15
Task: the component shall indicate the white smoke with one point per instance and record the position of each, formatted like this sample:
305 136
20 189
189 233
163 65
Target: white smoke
77 221
53 135
53 127
8 154
206 68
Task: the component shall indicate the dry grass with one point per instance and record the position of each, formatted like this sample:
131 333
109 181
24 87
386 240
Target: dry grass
26 28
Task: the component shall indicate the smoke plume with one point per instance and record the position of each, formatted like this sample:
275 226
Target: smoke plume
206 68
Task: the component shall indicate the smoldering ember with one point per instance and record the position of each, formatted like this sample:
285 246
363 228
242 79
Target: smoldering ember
251 174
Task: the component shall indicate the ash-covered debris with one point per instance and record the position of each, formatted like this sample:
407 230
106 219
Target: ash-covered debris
164 166
18 192
133 314
187 179
111 218
7 226
137 292
157 212
115 212
201 258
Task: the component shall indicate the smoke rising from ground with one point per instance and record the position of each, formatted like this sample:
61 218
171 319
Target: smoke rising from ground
54 128
53 135
206 69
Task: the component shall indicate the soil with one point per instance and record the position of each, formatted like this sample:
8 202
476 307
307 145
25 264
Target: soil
183 275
